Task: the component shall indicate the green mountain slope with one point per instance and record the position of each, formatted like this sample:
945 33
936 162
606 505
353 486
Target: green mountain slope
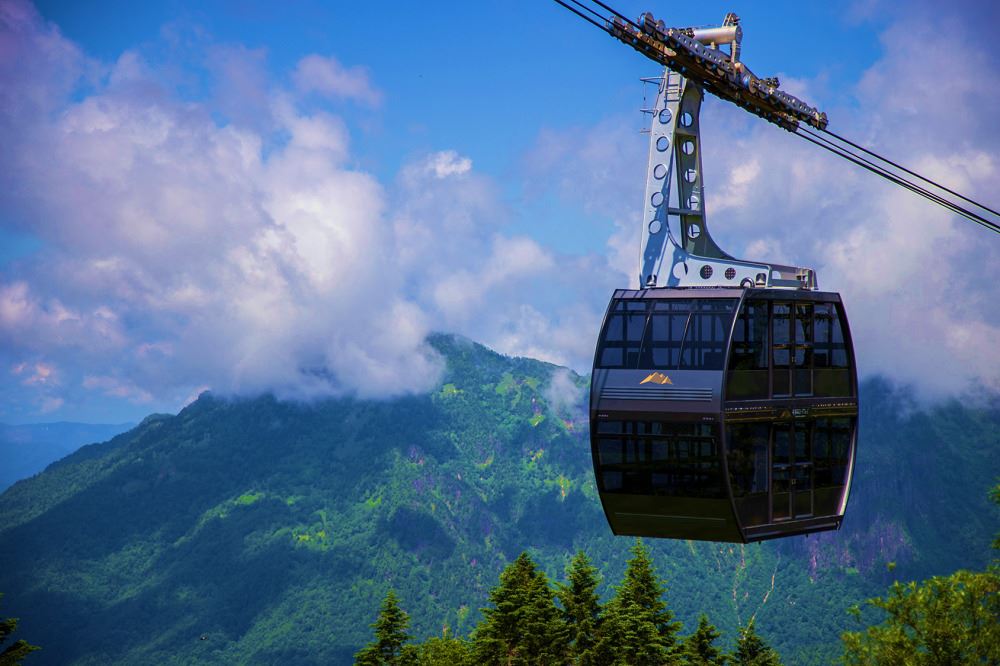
268 532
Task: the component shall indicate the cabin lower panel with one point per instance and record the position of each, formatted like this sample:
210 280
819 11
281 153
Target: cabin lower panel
792 528
671 517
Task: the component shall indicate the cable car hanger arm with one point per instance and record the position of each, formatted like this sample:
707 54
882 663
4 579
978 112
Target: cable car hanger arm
694 53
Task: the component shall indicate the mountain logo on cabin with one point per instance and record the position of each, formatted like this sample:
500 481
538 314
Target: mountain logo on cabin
656 378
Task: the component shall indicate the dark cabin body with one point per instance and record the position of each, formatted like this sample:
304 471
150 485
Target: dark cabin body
723 414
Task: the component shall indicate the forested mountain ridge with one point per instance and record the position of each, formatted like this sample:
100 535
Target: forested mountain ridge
274 529
27 449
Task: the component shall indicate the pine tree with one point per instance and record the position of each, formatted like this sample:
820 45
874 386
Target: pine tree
581 607
752 650
444 650
524 626
637 627
390 637
16 651
699 648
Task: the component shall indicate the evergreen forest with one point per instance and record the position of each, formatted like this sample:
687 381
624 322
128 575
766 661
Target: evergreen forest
524 625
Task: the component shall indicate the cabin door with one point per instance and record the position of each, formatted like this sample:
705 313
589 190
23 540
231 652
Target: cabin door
791 471
792 350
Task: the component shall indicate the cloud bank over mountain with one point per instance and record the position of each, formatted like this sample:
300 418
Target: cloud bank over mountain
181 252
234 240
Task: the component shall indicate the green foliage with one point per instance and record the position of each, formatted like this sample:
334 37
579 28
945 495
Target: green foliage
944 620
699 648
581 606
995 496
390 637
637 627
523 626
12 654
951 619
444 651
752 650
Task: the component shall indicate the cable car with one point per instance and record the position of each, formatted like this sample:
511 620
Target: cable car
723 414
724 393
724 402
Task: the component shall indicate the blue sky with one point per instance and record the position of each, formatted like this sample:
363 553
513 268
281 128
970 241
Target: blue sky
247 197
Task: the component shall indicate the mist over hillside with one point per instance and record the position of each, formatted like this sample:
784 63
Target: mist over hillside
273 528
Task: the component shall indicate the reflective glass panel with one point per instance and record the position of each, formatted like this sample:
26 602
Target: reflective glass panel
781 323
782 445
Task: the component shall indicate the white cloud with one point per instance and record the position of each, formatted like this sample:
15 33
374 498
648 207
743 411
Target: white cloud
326 76
564 396
37 374
117 388
448 163
181 254
734 192
50 404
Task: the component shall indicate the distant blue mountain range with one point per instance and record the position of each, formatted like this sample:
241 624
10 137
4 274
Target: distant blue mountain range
26 450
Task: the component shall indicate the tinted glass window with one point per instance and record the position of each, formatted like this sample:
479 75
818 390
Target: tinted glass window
830 350
803 323
831 451
748 358
839 349
750 338
781 324
657 458
616 329
802 355
612 357
610 451
782 444
704 345
715 305
747 443
622 335
666 334
674 305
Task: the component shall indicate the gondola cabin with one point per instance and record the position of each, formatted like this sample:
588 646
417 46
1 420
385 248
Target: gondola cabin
723 414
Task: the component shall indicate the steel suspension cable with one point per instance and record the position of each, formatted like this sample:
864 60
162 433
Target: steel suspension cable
898 180
591 10
584 16
621 16
902 182
912 173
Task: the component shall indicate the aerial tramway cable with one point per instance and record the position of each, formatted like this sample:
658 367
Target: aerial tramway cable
912 173
899 180
846 149
584 16
619 15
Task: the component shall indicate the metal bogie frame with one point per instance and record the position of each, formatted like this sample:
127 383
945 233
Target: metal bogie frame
695 259
695 51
